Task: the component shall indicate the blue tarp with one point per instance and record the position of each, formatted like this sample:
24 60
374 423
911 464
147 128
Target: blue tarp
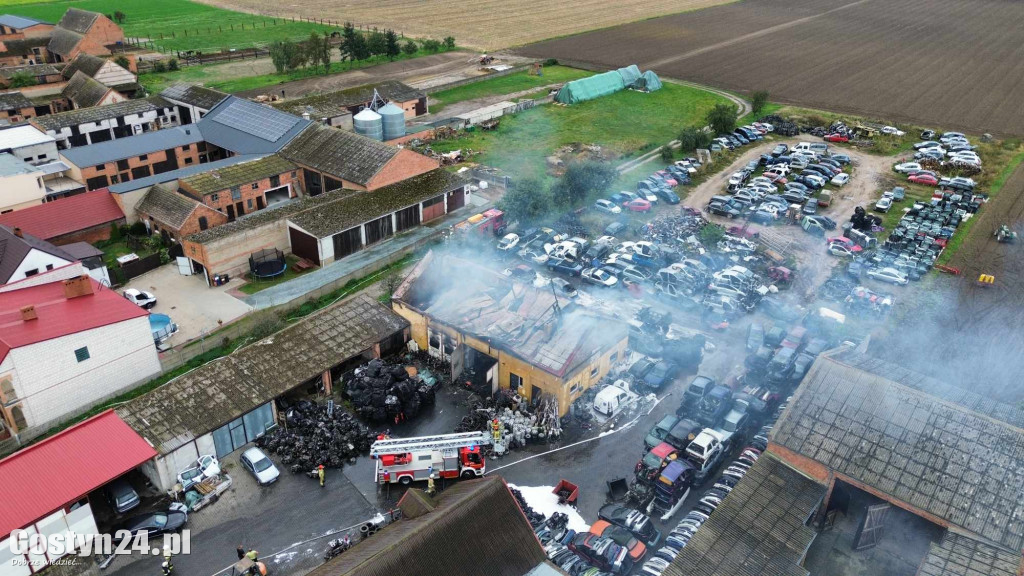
630 74
650 81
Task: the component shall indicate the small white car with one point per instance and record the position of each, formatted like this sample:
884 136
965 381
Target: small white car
737 178
140 298
890 275
600 276
907 167
883 204
892 130
607 206
840 251
260 466
203 468
840 179
509 242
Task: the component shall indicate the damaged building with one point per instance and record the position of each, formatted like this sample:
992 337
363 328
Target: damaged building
507 334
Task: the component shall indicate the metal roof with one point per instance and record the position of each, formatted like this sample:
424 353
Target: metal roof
11 165
131 146
19 22
21 136
198 96
208 397
245 127
760 529
340 153
139 183
930 453
100 113
66 215
962 555
88 455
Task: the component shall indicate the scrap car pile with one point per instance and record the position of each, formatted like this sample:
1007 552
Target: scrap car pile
316 434
383 392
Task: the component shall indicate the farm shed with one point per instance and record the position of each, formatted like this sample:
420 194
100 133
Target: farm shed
590 87
339 107
229 402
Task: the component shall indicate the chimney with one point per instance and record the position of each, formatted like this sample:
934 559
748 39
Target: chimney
28 313
17 232
75 287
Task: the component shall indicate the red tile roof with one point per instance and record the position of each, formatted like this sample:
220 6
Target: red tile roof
66 215
57 315
90 454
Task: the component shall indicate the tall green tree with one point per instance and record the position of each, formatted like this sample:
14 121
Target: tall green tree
279 56
377 42
432 46
526 201
392 48
360 50
324 52
449 43
758 100
581 180
410 48
722 118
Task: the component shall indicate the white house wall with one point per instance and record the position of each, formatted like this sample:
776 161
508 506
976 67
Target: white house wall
111 75
36 260
19 191
51 383
137 121
42 152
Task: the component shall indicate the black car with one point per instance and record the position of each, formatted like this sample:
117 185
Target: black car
695 392
633 520
927 134
641 367
154 523
826 222
662 373
779 150
794 197
667 195
810 207
721 209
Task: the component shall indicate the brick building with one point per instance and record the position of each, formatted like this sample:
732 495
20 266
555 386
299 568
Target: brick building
246 187
106 72
80 218
174 215
193 101
47 78
88 126
337 108
101 165
84 91
23 52
14 107
17 27
83 31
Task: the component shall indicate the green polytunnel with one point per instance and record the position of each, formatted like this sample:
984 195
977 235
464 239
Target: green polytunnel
590 87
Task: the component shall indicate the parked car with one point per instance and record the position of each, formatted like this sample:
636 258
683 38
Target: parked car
620 536
898 193
662 373
600 277
721 209
843 159
607 206
667 195
203 468
649 195
755 336
836 138
890 275
154 523
121 496
839 250
921 178
633 520
260 466
883 204
140 298
810 207
660 431
840 179
636 274
892 131
564 288
638 205
508 242
907 167
602 553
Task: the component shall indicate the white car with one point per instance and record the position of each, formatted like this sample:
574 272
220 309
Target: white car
536 256
599 276
907 167
737 178
936 149
508 242
203 468
260 466
840 179
839 250
883 204
892 130
140 298
686 166
890 275
607 206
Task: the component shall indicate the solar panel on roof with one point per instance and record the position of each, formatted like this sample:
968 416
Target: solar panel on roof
256 120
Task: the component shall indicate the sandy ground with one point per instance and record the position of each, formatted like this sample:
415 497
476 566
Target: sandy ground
869 177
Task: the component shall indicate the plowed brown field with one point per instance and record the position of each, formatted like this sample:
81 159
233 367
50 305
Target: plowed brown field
951 64
480 24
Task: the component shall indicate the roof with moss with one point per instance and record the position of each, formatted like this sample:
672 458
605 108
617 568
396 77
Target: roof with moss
166 206
63 41
330 104
14 101
339 153
84 90
87 63
22 47
100 113
237 175
194 95
34 70
79 21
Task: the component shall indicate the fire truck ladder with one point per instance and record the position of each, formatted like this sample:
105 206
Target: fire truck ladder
400 445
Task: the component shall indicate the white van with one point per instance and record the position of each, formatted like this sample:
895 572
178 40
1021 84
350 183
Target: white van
801 147
611 401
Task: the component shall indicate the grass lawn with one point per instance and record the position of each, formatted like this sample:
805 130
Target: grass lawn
882 144
165 22
112 249
626 123
255 285
516 82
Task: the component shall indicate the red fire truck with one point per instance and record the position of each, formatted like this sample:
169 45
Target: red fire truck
405 460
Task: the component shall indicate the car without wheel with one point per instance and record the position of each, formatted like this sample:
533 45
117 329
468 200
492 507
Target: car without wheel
892 131
926 179
883 204
839 250
908 167
721 209
564 287
508 242
638 205
836 138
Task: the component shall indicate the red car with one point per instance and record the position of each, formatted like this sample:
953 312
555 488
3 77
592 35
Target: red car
638 205
926 179
743 232
836 138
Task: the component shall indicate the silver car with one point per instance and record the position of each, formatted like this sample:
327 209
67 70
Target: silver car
256 462
891 275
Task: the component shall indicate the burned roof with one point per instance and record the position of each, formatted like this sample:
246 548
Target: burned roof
87 63
760 529
78 20
208 397
932 454
14 101
194 95
100 113
353 210
236 175
514 317
31 70
340 153
166 206
477 529
331 104
84 90
962 555
23 47
63 41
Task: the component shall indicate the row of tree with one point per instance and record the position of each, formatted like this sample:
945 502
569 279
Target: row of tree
355 46
530 199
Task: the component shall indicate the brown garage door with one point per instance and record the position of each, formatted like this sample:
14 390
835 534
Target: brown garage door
304 245
433 208
456 200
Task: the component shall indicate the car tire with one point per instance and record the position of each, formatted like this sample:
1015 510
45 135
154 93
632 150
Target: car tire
405 480
467 474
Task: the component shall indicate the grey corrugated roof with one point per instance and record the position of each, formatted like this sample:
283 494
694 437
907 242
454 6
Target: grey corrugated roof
11 165
99 113
930 453
19 22
140 183
330 218
210 181
14 249
131 146
220 391
87 63
198 96
79 21
235 125
82 250
84 90
332 103
167 206
32 70
14 101
63 41
23 47
340 153
758 530
477 529
961 555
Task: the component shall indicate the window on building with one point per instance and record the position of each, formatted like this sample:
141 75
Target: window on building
613 357
41 157
202 223
186 147
293 174
236 193
49 266
101 167
515 381
31 272
7 211
275 181
594 371
214 197
576 387
255 186
144 157
188 160
122 165
248 204
82 354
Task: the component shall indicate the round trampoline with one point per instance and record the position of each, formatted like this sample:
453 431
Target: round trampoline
267 263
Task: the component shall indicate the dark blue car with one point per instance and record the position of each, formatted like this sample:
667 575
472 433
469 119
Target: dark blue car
662 373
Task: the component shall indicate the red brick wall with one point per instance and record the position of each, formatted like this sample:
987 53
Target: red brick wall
103 33
249 193
97 233
402 167
111 168
18 115
191 226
